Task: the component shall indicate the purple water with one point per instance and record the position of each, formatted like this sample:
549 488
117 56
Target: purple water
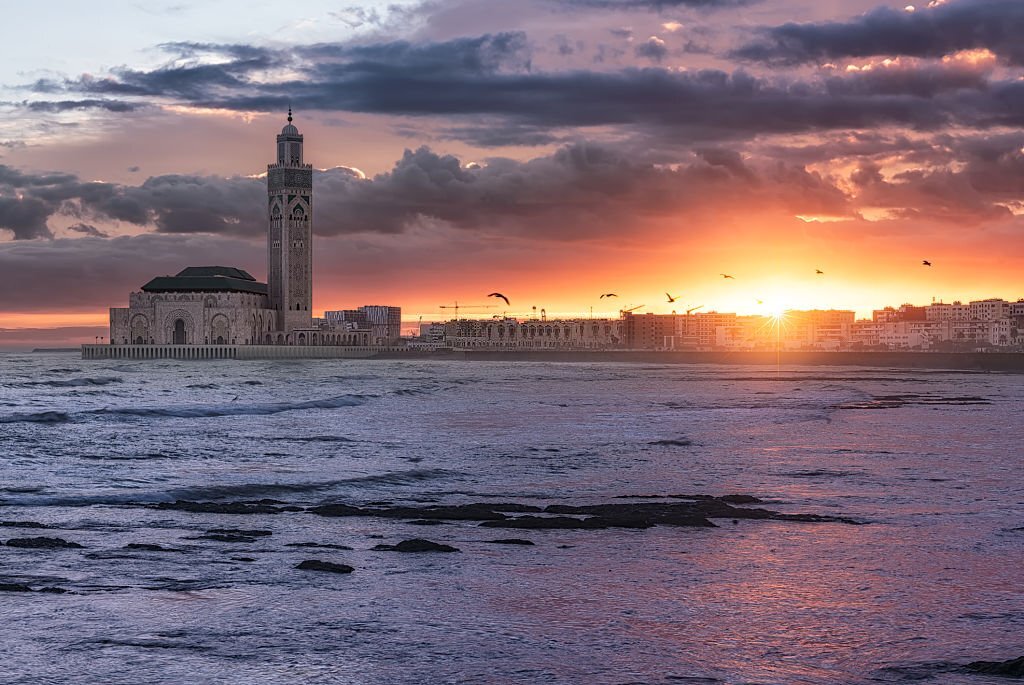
931 460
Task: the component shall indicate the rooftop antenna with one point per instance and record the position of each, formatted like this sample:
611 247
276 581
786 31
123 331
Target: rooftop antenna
289 114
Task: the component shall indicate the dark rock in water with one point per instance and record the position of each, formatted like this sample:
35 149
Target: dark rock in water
815 518
339 510
242 559
458 512
148 547
236 531
317 565
318 545
22 524
52 590
220 507
416 545
14 587
541 523
740 499
1010 669
43 543
218 537
425 522
510 541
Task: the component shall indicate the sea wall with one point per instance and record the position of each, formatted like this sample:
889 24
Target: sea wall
968 361
207 352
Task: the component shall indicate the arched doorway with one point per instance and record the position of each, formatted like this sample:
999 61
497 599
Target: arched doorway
179 332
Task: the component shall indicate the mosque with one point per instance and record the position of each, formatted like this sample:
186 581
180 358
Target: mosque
222 305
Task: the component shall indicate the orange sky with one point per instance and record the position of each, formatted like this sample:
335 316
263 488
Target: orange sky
637 148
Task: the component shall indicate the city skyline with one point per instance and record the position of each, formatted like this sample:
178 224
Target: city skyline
561 151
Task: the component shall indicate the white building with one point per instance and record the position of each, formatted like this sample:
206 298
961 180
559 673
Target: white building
218 305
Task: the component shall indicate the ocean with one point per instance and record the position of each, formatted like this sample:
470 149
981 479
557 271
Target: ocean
928 463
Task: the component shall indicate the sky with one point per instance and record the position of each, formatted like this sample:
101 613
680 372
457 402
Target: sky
552 150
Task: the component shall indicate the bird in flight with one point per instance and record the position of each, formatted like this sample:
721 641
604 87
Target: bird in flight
670 298
760 301
727 276
925 262
501 296
607 295
819 272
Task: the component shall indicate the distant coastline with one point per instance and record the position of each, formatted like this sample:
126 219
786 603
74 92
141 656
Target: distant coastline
964 361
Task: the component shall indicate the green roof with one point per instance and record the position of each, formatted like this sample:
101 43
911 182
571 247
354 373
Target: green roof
216 279
214 272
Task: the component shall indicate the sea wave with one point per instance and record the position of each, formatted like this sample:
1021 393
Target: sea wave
50 417
233 409
74 382
238 492
190 411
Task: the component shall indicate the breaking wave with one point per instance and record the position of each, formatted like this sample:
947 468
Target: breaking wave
50 417
192 412
232 409
75 382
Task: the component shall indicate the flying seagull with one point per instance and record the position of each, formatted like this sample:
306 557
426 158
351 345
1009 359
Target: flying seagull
819 272
607 295
925 262
727 276
670 298
502 297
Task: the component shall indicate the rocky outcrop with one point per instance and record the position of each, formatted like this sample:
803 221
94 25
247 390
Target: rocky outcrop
416 545
318 545
148 547
325 566
1009 669
459 512
22 524
671 510
42 543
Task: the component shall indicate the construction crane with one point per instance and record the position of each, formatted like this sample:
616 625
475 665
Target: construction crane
456 306
693 309
627 310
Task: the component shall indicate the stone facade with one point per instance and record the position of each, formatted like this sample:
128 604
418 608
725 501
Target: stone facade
218 305
194 318
548 334
290 232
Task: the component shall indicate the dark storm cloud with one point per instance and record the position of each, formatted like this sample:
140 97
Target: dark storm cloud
90 272
25 217
491 77
72 105
170 203
89 230
656 5
927 32
653 48
582 191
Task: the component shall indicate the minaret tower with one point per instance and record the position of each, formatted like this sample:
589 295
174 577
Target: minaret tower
290 238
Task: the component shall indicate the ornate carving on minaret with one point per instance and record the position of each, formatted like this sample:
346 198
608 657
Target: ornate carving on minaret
290 234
